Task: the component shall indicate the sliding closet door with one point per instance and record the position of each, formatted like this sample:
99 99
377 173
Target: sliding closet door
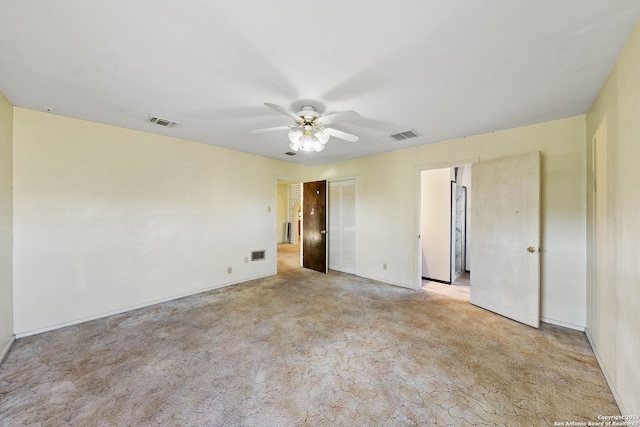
342 226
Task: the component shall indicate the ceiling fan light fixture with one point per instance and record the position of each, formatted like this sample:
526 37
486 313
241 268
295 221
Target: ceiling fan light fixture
321 136
295 135
308 143
311 131
295 146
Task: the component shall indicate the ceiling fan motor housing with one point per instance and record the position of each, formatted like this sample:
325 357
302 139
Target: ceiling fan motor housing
308 114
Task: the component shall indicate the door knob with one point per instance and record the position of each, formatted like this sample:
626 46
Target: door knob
531 249
323 232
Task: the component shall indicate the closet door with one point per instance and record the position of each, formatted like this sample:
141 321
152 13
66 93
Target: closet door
342 226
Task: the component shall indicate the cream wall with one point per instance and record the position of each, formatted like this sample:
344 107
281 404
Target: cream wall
107 219
388 197
6 225
614 295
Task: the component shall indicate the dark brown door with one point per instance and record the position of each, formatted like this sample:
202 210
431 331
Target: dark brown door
314 226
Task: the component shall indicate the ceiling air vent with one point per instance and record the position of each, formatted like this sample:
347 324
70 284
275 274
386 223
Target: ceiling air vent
161 122
404 135
291 153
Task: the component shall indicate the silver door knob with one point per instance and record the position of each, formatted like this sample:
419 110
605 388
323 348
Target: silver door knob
323 232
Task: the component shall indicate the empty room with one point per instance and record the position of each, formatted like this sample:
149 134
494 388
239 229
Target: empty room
217 213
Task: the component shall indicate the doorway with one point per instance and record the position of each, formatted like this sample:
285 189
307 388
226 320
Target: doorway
288 224
341 224
444 224
301 225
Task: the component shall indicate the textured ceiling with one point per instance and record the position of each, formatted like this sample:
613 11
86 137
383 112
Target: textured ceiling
447 69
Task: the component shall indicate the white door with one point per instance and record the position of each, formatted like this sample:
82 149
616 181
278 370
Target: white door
505 231
342 226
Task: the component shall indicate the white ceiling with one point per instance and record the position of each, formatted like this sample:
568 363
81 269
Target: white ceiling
445 68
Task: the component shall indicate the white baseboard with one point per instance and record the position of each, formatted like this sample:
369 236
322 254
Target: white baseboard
563 324
607 377
133 307
7 347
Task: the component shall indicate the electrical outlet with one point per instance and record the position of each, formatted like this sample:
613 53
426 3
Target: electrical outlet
246 260
229 270
268 208
384 266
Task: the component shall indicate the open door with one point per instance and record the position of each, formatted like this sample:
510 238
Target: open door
505 230
314 225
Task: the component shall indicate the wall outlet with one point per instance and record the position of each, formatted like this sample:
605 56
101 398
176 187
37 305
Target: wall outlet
229 270
384 266
268 208
246 260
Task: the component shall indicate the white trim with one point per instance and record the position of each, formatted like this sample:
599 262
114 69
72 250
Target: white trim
134 307
6 349
607 377
447 165
563 324
344 178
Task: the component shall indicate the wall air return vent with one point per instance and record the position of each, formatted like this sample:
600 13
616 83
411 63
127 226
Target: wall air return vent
162 122
404 135
257 255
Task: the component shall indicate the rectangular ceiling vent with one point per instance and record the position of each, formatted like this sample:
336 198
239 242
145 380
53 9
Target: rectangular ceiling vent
161 122
291 153
257 255
404 135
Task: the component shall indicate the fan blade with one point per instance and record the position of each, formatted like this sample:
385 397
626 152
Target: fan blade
338 117
272 129
342 135
282 110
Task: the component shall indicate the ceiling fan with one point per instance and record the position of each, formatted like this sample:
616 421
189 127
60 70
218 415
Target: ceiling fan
311 131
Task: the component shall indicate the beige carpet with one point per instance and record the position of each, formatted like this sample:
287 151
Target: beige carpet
303 348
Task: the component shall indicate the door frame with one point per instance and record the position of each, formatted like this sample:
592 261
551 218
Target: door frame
418 209
300 181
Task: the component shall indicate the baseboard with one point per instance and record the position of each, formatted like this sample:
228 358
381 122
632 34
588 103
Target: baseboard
607 377
6 348
133 307
436 280
563 324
